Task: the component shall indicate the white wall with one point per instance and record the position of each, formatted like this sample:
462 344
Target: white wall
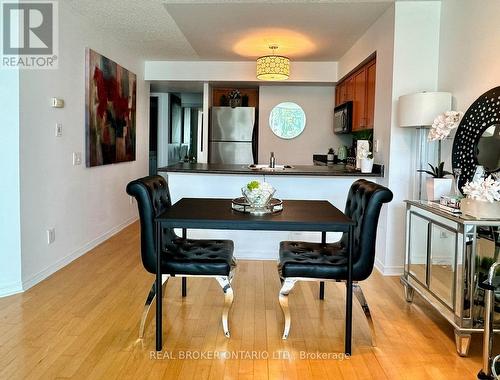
406 40
415 69
317 103
163 127
469 53
10 228
378 38
241 71
203 132
85 205
469 49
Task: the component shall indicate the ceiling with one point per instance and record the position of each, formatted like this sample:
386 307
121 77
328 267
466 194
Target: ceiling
239 30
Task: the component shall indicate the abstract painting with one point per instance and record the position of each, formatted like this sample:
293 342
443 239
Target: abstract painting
110 111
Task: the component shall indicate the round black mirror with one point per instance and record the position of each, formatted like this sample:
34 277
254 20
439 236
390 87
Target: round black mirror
488 149
477 141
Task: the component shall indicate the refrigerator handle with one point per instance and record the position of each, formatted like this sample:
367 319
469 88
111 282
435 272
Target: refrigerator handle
255 138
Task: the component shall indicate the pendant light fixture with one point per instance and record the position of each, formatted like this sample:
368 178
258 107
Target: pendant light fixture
273 67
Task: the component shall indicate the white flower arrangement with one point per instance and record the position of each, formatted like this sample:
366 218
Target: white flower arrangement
364 153
443 124
257 193
486 190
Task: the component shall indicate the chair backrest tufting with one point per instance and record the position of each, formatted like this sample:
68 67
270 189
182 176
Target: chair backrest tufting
363 205
153 198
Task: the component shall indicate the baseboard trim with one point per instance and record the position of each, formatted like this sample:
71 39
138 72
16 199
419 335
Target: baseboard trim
10 289
256 255
61 263
271 255
395 270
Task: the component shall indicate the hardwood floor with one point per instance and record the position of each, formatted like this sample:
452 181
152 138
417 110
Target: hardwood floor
83 323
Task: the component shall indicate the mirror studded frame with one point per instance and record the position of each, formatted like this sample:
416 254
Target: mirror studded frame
483 113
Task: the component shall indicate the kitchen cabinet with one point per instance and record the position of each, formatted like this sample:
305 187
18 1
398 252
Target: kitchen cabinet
359 87
338 95
370 94
218 94
359 101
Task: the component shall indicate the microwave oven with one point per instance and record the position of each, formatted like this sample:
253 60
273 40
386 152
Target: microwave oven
342 118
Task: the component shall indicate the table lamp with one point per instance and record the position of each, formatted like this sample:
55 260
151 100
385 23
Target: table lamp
419 111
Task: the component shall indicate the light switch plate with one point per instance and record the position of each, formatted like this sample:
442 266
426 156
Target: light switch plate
77 158
51 235
57 103
59 130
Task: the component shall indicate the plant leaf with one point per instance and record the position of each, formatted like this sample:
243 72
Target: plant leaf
427 171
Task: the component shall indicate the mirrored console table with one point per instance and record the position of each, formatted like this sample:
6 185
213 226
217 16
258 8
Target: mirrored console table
447 257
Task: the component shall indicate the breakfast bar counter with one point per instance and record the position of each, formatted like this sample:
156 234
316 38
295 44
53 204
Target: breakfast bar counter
305 182
334 170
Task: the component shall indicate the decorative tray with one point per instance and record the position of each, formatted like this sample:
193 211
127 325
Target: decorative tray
240 204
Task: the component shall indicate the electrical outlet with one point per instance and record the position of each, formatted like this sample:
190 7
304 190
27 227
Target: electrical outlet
57 103
131 199
77 158
51 235
58 130
376 146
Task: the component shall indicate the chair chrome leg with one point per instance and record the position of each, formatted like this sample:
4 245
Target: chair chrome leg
149 301
286 288
364 305
232 271
224 282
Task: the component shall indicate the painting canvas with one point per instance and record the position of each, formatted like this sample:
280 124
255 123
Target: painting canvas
110 111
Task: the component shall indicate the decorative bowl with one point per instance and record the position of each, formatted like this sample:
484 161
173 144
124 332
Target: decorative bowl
258 198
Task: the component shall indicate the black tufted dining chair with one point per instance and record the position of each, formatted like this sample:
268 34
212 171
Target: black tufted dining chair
302 261
180 256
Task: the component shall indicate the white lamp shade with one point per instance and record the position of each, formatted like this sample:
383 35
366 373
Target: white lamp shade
420 109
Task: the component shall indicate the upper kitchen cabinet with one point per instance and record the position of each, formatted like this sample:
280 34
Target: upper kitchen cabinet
370 94
359 87
249 97
359 101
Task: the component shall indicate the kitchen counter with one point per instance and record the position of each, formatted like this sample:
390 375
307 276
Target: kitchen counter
306 182
336 170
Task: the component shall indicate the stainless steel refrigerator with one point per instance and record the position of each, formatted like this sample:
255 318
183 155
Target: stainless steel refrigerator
233 136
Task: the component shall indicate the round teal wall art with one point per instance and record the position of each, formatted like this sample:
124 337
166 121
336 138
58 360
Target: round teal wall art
287 120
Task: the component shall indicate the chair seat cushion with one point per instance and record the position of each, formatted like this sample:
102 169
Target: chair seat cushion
198 257
312 260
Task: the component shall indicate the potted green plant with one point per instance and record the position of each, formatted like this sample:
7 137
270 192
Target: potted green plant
367 162
437 185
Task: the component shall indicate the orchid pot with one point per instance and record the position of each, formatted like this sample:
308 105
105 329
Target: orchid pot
366 165
437 187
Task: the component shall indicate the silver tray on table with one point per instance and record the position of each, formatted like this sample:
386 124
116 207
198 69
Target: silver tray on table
240 204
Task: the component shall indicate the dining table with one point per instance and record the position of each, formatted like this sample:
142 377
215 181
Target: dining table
217 214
